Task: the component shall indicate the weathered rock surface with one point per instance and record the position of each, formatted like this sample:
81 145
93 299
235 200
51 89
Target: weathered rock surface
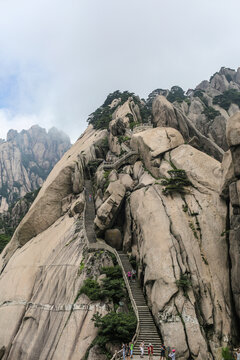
178 238
152 143
26 159
113 237
233 130
165 114
47 207
227 175
231 178
107 212
96 353
38 313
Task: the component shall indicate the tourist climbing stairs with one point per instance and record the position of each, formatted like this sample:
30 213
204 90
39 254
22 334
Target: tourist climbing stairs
89 212
148 330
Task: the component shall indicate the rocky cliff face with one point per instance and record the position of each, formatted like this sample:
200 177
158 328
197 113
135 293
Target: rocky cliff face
43 308
208 106
26 158
162 195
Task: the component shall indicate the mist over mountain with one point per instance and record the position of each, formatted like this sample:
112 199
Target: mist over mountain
26 158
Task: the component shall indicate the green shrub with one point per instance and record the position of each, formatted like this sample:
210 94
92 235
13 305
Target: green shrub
112 272
113 284
122 139
176 183
115 327
4 240
176 94
227 98
226 354
210 112
92 289
132 124
112 287
184 283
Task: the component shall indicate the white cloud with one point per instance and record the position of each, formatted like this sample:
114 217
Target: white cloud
19 122
70 54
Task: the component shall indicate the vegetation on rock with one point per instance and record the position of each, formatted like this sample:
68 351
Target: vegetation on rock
176 94
177 182
184 283
115 327
210 112
10 219
101 117
112 287
229 97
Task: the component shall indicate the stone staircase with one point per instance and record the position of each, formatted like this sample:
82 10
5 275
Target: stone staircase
89 215
148 330
120 161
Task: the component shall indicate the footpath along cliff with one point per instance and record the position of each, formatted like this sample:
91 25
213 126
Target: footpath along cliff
166 194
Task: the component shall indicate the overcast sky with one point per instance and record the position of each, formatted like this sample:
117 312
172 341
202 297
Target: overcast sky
59 59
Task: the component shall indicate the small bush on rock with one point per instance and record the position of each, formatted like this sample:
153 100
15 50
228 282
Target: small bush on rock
115 327
176 183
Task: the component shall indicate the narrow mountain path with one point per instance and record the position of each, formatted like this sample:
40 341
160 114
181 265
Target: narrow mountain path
89 212
147 328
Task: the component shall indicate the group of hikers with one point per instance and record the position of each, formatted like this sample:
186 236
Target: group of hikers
131 275
165 353
127 351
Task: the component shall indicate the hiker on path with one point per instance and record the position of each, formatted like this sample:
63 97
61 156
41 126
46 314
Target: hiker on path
90 197
142 349
150 351
129 275
163 352
128 351
238 354
123 351
172 354
131 350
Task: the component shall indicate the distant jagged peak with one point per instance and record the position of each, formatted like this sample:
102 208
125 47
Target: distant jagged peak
36 132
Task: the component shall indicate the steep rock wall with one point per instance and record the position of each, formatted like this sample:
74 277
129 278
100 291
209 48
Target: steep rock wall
46 208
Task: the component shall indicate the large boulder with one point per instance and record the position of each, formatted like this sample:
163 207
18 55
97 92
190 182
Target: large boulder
113 237
227 174
233 130
152 143
164 114
108 211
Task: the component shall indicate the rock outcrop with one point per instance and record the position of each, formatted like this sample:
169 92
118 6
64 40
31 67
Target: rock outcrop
26 159
47 207
44 315
233 138
182 256
165 114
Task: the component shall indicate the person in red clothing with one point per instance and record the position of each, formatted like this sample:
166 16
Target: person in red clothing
150 351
